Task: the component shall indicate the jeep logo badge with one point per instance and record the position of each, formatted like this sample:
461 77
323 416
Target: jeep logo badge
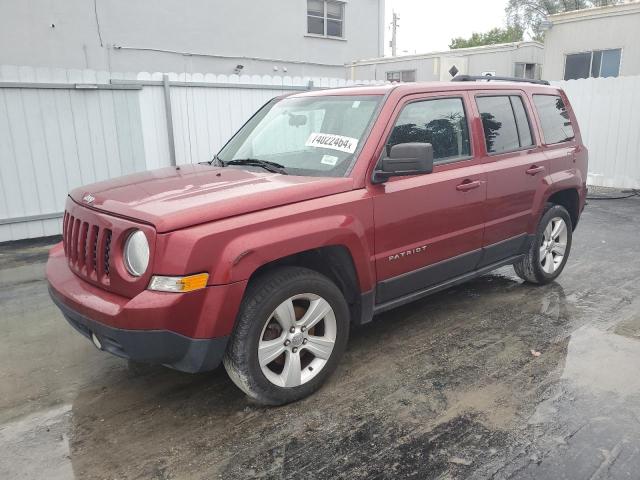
88 198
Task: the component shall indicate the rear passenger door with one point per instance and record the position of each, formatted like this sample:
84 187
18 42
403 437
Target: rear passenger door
516 167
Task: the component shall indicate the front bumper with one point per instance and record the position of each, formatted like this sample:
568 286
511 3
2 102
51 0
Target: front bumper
185 331
150 346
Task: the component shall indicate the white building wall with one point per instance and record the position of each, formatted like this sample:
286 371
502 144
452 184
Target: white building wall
503 63
595 29
193 36
434 66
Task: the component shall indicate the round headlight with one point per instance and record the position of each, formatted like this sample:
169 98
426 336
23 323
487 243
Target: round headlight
136 253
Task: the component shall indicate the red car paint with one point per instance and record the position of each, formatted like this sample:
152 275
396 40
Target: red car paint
230 222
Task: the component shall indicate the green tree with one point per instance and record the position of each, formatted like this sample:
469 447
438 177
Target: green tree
528 15
512 33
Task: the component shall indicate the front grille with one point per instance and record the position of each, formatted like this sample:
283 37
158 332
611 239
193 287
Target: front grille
84 244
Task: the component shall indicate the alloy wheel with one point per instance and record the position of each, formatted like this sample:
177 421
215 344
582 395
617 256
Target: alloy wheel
553 246
297 340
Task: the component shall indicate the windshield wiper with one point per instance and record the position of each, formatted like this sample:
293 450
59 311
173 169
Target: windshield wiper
218 160
254 162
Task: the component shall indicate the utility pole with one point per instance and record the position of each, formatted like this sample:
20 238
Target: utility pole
394 27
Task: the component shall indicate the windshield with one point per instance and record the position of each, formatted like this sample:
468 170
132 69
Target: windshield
315 136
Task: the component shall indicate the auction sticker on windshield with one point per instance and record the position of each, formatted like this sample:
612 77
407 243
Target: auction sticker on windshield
330 140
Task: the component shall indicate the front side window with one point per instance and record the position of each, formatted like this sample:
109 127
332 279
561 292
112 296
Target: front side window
314 136
441 122
401 76
325 18
598 63
554 118
505 124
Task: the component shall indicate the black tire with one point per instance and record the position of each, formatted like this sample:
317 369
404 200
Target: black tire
529 268
263 295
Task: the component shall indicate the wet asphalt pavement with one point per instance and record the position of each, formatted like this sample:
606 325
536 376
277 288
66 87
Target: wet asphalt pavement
447 387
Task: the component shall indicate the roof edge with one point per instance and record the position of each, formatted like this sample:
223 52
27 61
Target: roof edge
452 52
595 12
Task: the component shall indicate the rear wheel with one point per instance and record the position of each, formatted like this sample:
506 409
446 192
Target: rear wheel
291 331
549 251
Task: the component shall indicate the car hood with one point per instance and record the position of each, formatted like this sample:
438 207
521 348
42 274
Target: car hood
178 197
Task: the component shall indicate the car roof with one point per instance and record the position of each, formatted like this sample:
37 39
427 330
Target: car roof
425 87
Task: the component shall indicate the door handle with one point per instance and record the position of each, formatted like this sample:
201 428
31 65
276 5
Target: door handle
468 185
534 170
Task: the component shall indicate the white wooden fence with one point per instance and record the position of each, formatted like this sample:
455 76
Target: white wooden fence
54 139
60 129
608 111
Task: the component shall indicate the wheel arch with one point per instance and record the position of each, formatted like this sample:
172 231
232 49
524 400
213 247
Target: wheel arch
570 200
333 261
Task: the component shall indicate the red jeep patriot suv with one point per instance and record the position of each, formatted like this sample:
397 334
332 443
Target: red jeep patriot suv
326 208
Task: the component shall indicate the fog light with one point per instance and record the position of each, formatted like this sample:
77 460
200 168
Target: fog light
178 284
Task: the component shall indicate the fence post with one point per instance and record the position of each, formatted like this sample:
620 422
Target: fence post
167 110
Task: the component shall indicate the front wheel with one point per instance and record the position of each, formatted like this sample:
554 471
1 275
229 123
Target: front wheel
549 250
291 331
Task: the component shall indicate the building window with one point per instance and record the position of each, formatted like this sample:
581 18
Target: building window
599 63
401 76
530 71
325 18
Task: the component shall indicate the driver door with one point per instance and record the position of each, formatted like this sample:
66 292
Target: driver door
429 228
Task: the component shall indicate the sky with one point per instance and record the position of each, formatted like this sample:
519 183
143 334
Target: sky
429 25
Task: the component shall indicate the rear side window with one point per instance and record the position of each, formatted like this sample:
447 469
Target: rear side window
505 124
554 119
441 122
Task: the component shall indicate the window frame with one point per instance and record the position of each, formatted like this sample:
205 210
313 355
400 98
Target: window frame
591 52
534 138
325 18
447 161
542 136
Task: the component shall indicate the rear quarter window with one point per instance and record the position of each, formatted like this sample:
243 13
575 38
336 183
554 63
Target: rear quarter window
554 119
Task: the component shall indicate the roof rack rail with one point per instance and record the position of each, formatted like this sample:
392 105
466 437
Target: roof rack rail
490 78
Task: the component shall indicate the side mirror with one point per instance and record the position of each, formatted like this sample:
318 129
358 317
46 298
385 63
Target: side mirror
405 159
